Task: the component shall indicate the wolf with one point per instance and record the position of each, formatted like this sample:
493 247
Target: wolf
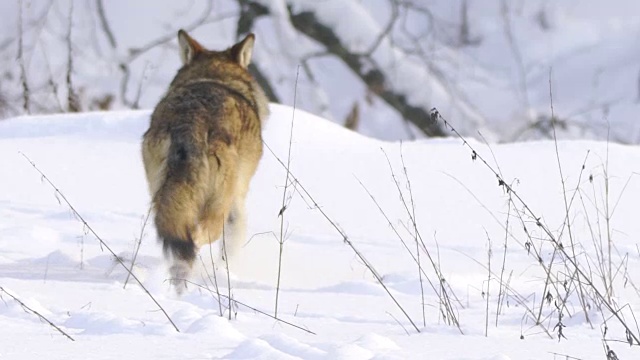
201 150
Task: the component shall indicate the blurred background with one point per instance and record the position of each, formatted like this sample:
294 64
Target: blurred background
374 66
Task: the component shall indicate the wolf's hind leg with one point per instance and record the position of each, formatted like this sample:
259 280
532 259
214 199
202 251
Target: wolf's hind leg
235 230
181 255
179 274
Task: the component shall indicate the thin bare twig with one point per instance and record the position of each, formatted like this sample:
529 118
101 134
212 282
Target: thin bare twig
435 114
285 195
567 205
564 356
226 263
504 260
203 18
415 235
215 278
515 50
413 257
251 308
139 242
88 227
521 300
135 53
385 33
489 256
26 308
444 295
23 71
345 238
105 24
72 98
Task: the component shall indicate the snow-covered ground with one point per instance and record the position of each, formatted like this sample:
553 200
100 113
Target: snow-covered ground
51 262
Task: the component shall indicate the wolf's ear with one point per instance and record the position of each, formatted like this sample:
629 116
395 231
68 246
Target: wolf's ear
242 51
189 48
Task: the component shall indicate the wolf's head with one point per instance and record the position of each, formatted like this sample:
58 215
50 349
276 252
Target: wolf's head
228 67
195 55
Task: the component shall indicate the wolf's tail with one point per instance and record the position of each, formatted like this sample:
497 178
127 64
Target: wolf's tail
181 198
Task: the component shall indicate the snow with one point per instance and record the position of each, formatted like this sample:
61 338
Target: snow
52 263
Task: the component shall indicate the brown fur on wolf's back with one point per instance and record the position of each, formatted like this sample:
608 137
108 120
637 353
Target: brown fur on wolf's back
202 148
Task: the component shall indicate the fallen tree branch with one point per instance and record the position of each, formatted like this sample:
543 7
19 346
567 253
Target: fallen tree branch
362 65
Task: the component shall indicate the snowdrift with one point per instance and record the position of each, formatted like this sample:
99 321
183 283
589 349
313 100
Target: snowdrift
55 266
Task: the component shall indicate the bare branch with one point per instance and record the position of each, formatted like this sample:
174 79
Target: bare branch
138 243
345 238
23 71
246 20
252 308
28 309
105 24
387 29
285 195
204 18
362 66
89 229
72 97
610 306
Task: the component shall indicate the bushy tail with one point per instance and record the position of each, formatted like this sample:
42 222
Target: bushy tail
180 199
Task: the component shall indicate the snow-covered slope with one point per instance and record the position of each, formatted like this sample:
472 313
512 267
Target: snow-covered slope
50 261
